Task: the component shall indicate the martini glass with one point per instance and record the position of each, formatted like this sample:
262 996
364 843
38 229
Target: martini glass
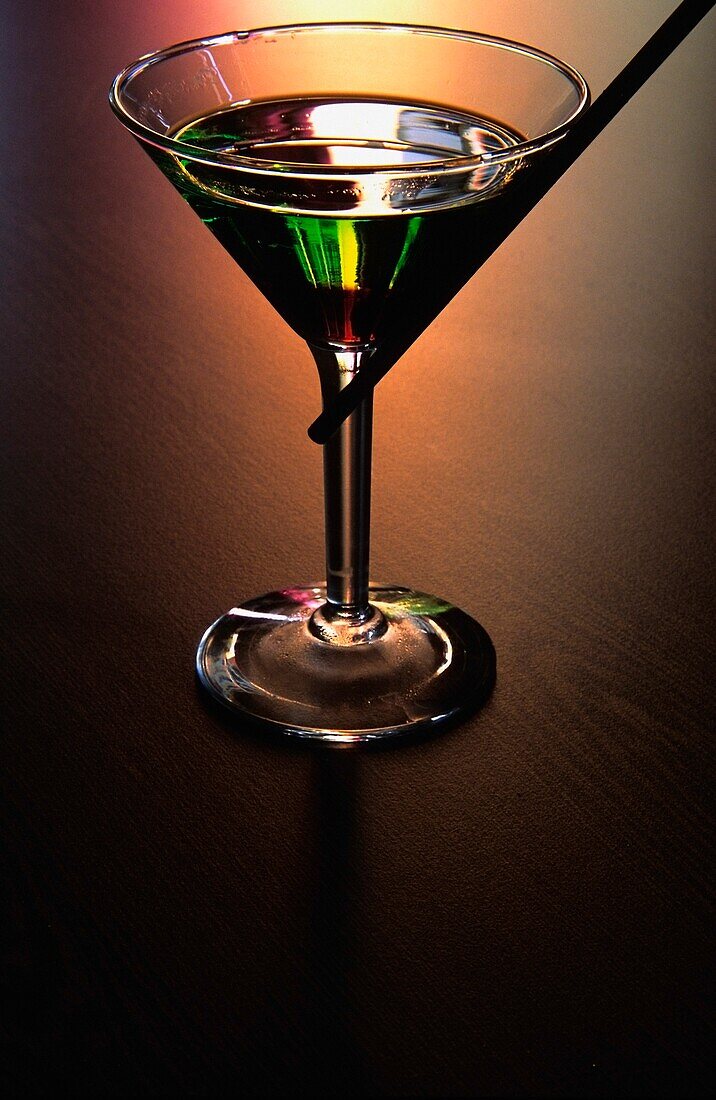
351 170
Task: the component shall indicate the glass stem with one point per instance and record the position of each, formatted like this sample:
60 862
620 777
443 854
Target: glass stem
347 616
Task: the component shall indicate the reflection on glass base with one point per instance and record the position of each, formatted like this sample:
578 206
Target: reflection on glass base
433 665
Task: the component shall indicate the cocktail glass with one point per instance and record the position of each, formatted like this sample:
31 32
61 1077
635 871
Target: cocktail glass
351 170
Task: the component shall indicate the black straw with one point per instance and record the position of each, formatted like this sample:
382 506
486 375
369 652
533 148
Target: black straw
542 177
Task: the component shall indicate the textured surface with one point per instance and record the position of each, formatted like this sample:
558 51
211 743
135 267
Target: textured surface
516 908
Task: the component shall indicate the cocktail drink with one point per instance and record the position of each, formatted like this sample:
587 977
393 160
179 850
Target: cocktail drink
352 171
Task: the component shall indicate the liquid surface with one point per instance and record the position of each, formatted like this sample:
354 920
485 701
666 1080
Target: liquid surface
330 254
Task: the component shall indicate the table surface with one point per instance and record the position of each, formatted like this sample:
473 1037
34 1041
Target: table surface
516 908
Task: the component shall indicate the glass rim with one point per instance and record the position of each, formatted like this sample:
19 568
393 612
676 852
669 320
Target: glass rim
256 165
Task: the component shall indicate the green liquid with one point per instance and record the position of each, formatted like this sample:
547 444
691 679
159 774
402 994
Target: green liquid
351 279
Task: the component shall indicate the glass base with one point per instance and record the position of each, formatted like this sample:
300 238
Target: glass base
264 660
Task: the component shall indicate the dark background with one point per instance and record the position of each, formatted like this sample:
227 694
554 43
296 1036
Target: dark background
517 908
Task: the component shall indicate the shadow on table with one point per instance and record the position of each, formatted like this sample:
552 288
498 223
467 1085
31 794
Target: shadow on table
325 1011
338 1062
325 1056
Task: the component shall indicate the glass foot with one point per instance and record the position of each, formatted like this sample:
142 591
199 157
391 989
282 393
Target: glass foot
266 662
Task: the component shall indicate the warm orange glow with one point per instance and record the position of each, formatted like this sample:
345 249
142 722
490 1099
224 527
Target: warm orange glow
501 301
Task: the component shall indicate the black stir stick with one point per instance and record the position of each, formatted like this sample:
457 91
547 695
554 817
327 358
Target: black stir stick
541 178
